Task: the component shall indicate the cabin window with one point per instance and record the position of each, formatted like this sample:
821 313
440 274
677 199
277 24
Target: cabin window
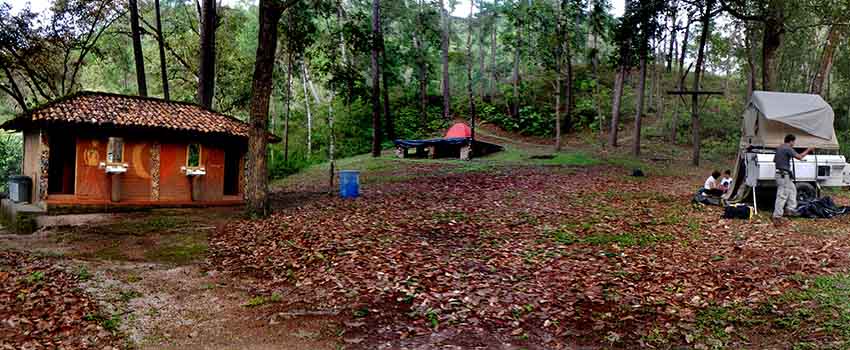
193 156
115 150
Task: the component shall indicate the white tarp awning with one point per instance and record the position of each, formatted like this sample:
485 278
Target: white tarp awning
772 115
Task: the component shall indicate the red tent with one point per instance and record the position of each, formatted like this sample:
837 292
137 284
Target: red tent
459 130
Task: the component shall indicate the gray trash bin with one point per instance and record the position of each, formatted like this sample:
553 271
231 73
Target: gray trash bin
20 188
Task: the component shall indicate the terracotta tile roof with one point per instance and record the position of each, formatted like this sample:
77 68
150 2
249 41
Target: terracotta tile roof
108 109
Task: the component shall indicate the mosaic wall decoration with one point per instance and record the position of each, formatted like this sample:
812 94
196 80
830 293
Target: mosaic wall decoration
44 163
155 148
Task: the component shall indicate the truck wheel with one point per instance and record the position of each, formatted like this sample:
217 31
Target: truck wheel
806 192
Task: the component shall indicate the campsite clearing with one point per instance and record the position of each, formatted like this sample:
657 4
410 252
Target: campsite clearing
516 250
542 253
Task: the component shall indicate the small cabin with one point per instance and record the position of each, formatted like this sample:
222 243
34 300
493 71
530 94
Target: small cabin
100 149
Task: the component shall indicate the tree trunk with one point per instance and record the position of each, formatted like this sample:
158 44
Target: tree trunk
673 31
422 68
206 76
137 48
376 80
288 104
751 61
651 94
558 112
774 31
482 55
639 112
332 142
307 106
615 105
388 118
559 51
695 121
515 76
447 95
568 82
257 178
826 59
683 49
469 64
161 40
494 72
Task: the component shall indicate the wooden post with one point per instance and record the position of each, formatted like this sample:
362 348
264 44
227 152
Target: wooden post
116 187
195 185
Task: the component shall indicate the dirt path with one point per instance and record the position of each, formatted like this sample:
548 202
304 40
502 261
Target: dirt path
146 272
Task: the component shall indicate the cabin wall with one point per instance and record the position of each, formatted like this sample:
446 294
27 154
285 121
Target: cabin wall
153 170
32 161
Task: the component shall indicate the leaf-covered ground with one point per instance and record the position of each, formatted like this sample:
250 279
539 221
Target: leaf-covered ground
535 255
43 307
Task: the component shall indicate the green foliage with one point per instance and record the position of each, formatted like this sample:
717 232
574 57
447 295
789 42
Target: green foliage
262 300
11 157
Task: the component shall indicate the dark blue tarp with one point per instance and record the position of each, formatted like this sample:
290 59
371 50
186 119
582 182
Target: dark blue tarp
432 142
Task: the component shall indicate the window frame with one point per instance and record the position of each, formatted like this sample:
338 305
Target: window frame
200 156
109 149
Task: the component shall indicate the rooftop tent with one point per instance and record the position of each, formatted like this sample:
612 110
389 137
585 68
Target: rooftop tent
772 115
459 130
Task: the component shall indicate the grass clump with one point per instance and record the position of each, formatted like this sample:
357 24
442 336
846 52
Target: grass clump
263 300
179 249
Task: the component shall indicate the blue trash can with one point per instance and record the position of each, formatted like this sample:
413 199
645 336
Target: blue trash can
349 183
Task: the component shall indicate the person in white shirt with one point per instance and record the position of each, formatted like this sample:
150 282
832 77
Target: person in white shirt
712 185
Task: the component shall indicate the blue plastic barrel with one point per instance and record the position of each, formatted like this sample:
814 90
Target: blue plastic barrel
349 183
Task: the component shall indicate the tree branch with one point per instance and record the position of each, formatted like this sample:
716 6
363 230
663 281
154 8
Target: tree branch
740 15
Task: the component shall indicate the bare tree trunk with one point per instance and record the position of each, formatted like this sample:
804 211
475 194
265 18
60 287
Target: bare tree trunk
388 118
422 68
257 171
447 95
774 31
674 12
826 57
695 121
332 142
469 64
684 47
161 40
376 81
288 103
206 76
615 105
568 82
307 106
137 48
639 112
494 72
558 67
482 55
515 75
751 61
651 94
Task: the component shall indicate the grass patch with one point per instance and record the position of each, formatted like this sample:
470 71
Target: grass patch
35 277
627 239
262 300
128 295
813 317
111 323
179 249
144 226
565 234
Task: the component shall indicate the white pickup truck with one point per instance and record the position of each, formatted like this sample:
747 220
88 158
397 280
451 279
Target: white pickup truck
768 118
